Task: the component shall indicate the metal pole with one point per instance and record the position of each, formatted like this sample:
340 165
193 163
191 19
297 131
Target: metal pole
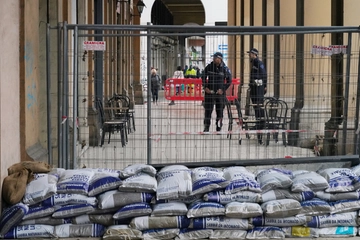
356 119
99 55
148 97
75 97
346 97
65 103
60 108
48 98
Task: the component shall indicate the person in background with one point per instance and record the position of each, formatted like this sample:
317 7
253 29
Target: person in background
155 85
257 85
216 80
177 74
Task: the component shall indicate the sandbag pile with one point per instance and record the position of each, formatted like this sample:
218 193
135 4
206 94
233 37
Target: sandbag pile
176 202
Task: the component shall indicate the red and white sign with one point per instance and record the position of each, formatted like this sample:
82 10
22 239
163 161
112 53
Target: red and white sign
330 50
94 45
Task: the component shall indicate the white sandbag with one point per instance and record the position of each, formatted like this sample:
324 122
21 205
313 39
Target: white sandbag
338 232
356 169
242 210
240 180
138 168
206 179
82 230
281 208
140 182
281 222
66 199
169 209
332 197
278 194
174 184
344 206
75 181
340 179
171 168
187 200
188 234
41 188
145 223
68 211
122 232
46 221
220 222
347 219
30 232
102 182
38 212
265 233
309 181
274 178
160 234
105 220
243 196
133 210
11 216
228 234
298 172
115 198
301 232
106 171
203 209
314 207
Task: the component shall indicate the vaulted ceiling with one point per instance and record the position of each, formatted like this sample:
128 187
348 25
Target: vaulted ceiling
186 11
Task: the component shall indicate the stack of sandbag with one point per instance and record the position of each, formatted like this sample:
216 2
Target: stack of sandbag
53 202
19 175
177 202
131 200
343 198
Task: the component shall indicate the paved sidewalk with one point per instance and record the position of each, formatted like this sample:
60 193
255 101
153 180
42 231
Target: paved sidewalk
176 137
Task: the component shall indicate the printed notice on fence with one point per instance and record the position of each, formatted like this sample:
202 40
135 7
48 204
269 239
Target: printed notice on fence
330 50
94 45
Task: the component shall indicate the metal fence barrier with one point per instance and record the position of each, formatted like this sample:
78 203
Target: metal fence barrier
318 78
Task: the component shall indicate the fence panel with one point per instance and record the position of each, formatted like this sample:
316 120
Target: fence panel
318 83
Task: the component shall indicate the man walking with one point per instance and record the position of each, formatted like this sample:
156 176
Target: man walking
257 85
216 80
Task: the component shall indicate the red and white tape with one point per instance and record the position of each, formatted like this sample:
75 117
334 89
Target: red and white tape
230 132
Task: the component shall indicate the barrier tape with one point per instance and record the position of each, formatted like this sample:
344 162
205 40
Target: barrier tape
156 136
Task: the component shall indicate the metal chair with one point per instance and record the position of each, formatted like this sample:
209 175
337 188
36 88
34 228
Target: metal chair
276 119
126 112
109 124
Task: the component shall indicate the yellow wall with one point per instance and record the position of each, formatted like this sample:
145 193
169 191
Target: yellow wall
9 86
29 76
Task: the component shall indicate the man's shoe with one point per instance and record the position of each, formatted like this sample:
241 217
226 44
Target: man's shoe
206 129
172 103
261 142
218 129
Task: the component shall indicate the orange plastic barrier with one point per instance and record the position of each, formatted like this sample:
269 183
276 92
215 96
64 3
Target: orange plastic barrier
195 94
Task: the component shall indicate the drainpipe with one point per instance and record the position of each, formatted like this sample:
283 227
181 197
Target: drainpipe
98 62
337 81
299 91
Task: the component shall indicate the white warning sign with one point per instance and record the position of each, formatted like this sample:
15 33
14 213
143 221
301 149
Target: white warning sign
94 45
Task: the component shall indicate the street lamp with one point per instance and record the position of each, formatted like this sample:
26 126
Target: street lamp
140 7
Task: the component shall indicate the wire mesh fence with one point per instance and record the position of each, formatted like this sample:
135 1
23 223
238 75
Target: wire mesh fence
315 76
